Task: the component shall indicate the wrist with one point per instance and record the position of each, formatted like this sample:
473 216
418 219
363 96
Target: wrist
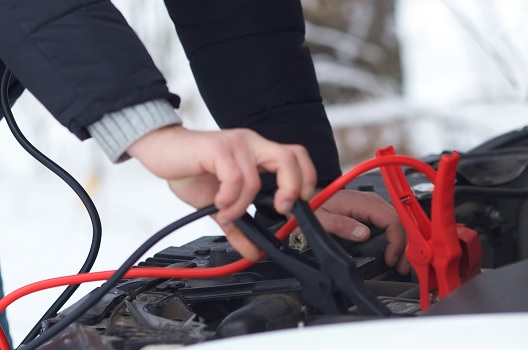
158 149
153 141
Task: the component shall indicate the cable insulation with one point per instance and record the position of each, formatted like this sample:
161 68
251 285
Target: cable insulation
113 277
72 183
237 266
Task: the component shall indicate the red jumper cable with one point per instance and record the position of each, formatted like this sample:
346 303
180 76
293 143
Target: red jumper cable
442 252
388 161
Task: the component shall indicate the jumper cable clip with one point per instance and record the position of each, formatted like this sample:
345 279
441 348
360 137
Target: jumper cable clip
332 284
442 252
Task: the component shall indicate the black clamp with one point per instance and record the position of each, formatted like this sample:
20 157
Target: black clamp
333 284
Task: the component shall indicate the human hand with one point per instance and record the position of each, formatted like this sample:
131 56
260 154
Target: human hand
347 214
222 167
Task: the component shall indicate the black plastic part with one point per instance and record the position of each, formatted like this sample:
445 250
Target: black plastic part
516 138
498 167
263 313
317 287
77 336
97 312
493 291
334 284
335 262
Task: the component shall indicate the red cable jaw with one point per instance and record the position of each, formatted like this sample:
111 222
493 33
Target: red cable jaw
440 251
471 253
444 240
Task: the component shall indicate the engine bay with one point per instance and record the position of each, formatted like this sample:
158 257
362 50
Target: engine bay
490 198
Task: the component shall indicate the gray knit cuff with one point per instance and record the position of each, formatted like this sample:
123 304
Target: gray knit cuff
116 131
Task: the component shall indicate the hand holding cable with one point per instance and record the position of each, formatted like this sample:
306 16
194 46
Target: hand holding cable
240 265
222 167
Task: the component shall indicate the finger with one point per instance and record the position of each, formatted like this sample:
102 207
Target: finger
373 196
284 163
296 177
395 235
371 209
249 186
231 181
197 191
289 183
403 266
241 243
295 173
308 172
343 226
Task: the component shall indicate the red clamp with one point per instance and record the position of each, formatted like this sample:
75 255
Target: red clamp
442 253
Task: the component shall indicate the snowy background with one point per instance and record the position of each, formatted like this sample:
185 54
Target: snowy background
464 69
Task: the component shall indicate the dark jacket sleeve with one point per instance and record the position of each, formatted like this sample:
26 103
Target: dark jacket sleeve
78 57
15 89
253 71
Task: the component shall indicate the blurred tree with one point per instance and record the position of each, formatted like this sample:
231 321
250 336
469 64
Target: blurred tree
355 48
357 59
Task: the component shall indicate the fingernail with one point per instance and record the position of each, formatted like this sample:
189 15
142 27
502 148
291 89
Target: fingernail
360 232
392 261
308 194
286 206
223 221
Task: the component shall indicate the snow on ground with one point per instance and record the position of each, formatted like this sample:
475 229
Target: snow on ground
456 95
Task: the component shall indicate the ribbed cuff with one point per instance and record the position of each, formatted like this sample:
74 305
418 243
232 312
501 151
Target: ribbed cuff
117 131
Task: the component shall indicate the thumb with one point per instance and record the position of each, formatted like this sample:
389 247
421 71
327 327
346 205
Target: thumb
343 226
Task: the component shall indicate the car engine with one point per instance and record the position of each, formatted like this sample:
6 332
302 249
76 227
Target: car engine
490 198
